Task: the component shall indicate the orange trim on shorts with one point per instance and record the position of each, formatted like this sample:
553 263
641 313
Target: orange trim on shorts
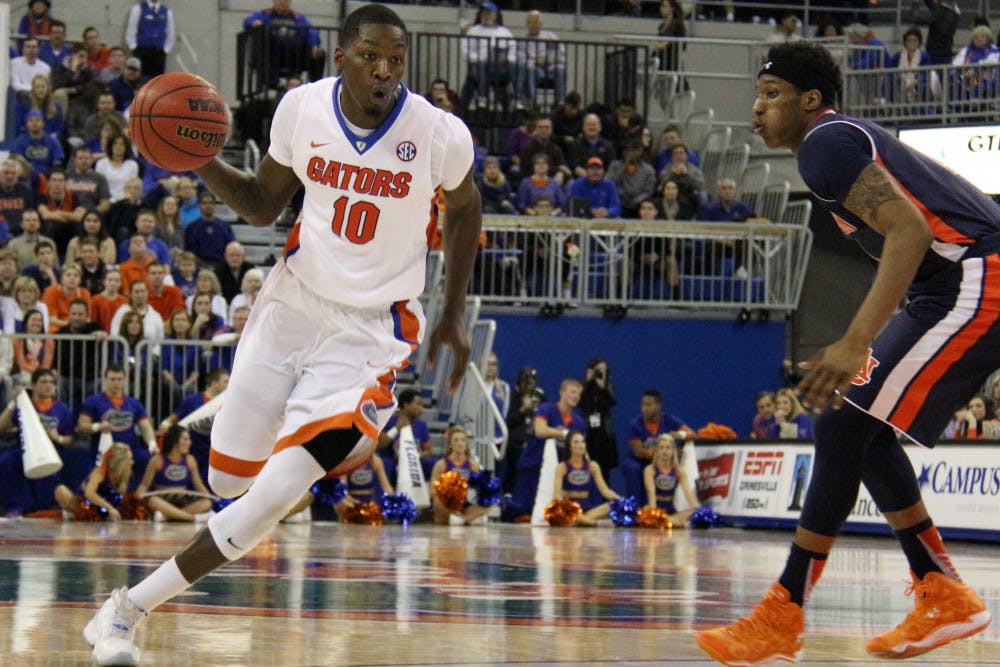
307 432
380 395
292 242
232 465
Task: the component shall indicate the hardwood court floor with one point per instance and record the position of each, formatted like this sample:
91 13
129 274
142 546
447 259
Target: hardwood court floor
327 594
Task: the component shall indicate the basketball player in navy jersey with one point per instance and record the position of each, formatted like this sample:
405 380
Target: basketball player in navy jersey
936 239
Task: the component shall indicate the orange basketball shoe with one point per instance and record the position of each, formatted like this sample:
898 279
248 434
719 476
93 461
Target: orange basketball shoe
772 632
944 610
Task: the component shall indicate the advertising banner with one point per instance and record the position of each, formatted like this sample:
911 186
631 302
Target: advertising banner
765 484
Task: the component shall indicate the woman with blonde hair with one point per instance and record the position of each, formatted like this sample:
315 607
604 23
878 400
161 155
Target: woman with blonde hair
663 476
40 97
26 296
792 419
457 460
104 488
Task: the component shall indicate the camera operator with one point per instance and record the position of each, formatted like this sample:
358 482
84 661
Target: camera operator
596 402
524 402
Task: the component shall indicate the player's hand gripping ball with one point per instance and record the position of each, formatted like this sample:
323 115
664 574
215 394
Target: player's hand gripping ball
179 121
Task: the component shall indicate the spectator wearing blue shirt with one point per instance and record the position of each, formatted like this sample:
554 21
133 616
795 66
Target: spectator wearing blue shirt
726 207
36 145
23 495
866 58
642 433
125 86
537 184
600 194
671 137
291 44
145 226
149 34
57 49
408 413
207 237
552 420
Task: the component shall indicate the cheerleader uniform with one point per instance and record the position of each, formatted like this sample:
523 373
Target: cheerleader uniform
579 485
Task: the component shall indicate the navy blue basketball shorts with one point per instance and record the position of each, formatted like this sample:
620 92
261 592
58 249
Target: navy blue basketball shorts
934 355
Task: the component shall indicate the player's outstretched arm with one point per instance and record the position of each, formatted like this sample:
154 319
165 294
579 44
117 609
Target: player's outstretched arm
257 198
877 199
460 240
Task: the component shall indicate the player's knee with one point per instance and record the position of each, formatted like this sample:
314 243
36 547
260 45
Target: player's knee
845 430
226 484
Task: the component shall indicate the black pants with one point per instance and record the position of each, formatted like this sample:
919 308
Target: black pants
154 61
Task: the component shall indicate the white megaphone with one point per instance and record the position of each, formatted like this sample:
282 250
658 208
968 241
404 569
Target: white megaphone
40 456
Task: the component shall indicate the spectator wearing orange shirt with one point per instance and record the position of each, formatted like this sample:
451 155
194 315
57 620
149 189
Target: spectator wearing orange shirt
59 297
104 305
164 299
136 267
98 54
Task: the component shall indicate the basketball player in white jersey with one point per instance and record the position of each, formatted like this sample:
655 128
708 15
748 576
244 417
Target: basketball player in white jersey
312 382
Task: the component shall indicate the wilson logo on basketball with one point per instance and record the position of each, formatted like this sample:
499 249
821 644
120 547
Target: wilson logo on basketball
207 139
211 106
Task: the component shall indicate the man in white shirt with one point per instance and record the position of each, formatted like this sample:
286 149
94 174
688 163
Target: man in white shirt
491 59
542 60
25 67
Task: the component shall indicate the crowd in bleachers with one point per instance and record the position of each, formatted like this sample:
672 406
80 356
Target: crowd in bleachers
100 244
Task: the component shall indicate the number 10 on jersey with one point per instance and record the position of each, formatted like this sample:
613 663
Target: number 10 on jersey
355 222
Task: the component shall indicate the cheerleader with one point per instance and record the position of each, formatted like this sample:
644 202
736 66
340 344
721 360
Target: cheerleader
104 489
663 476
580 479
175 470
456 459
367 483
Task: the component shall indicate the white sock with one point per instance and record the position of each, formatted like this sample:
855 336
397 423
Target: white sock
165 582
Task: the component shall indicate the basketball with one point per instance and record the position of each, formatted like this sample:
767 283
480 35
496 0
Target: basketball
179 121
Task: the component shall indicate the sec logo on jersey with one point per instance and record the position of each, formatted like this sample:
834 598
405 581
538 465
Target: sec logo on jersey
406 151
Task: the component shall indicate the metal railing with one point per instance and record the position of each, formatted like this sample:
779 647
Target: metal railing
573 262
495 79
156 370
475 410
165 372
943 94
77 360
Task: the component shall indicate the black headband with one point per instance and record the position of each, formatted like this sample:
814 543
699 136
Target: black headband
801 77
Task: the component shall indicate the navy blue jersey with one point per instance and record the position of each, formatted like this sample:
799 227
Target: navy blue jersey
936 353
958 214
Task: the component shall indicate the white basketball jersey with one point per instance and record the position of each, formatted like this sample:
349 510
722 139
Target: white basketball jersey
362 237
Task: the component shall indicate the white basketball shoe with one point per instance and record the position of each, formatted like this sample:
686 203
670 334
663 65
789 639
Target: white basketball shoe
116 622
